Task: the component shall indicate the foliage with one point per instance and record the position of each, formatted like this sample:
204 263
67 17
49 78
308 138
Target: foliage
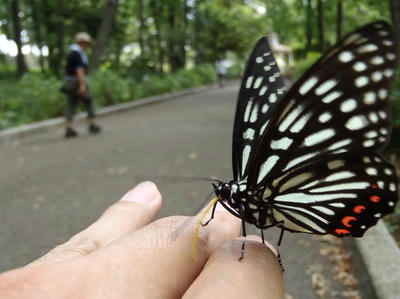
199 75
36 97
109 87
395 97
302 65
161 46
32 98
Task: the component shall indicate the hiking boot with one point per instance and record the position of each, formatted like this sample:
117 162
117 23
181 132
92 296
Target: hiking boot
69 132
94 129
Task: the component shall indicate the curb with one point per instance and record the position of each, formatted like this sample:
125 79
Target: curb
11 134
376 263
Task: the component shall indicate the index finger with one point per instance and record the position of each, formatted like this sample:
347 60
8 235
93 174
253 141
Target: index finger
257 275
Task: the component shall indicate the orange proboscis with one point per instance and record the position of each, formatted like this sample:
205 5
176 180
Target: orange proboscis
196 232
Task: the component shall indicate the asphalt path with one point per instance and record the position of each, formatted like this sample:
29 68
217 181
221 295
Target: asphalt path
52 188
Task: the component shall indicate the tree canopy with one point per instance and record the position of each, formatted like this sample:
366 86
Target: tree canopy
140 37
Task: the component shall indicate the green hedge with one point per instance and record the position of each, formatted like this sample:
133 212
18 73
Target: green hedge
36 97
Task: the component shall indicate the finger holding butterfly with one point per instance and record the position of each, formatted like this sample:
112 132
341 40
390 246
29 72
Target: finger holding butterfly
256 276
143 261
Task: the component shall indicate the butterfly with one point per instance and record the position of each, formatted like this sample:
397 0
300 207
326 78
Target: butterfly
307 160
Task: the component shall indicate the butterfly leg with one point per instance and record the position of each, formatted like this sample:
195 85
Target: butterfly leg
212 215
262 236
278 253
242 215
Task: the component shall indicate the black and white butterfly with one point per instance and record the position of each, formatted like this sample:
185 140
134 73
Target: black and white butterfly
307 160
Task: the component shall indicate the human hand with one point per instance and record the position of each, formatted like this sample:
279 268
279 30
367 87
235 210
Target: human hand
82 91
122 256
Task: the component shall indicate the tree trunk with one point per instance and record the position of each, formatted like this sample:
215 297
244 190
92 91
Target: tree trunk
321 26
339 24
172 38
309 32
141 27
183 34
21 65
395 11
38 33
60 39
156 8
103 34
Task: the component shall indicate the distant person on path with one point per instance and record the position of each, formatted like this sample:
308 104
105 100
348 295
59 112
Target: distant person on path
125 255
75 84
221 71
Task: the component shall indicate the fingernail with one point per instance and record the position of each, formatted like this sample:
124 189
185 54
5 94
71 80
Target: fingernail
145 193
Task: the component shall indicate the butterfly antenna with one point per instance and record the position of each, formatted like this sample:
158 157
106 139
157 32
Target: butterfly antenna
174 179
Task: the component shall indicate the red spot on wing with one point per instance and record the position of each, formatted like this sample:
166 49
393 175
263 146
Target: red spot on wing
374 186
341 231
346 220
359 209
375 198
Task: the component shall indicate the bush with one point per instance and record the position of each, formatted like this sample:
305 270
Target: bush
303 65
109 88
395 98
184 78
36 97
31 99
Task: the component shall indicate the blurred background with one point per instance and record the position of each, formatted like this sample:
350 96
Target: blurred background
143 48
51 188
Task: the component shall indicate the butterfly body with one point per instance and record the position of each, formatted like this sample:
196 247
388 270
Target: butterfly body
307 160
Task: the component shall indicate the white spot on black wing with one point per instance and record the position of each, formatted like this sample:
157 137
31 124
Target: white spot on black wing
330 97
356 122
346 56
360 66
308 85
367 48
348 105
258 82
324 117
361 81
249 81
325 87
319 137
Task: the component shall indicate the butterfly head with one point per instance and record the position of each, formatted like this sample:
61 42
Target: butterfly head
224 191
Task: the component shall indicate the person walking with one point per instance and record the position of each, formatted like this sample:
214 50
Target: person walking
75 84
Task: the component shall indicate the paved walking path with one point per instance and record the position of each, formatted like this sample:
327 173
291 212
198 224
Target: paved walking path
51 188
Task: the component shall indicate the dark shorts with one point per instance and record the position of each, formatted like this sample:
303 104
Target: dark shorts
70 89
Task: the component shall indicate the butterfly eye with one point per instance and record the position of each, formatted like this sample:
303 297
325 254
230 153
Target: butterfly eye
225 193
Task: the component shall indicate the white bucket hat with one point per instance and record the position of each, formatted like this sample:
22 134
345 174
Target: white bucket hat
83 37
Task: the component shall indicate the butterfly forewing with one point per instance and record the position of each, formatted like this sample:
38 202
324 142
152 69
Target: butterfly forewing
261 89
339 106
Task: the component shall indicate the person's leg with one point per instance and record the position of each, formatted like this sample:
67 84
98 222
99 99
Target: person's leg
69 115
89 106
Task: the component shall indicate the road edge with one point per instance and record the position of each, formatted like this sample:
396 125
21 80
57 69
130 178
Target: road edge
376 258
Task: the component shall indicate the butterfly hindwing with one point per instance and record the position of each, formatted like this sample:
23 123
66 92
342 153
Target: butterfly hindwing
261 89
336 195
